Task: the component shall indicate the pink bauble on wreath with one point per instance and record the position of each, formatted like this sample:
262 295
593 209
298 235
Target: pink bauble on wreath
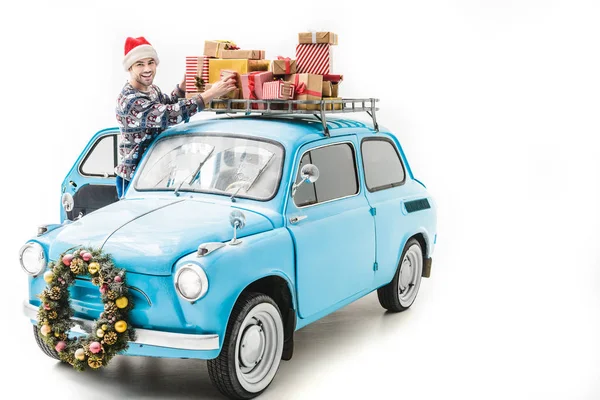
86 256
67 258
95 347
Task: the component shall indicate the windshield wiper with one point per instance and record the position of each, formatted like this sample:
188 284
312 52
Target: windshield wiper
194 174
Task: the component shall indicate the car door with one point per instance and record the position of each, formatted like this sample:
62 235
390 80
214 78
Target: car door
386 190
332 228
90 184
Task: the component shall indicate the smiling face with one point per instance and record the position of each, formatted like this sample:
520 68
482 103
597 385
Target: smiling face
142 73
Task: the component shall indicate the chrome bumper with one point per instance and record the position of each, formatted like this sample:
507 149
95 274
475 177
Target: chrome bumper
182 341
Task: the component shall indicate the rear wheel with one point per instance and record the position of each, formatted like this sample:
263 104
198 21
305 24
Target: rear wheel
252 348
49 351
400 293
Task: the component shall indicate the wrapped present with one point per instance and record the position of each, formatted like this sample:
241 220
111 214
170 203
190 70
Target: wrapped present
327 89
259 65
335 89
234 94
252 86
248 54
335 82
214 48
283 66
333 78
314 58
334 105
318 37
241 66
278 90
307 87
215 65
195 67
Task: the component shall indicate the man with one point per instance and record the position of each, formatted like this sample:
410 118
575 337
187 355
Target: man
143 111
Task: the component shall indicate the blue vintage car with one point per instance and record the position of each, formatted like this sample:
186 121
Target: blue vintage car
239 230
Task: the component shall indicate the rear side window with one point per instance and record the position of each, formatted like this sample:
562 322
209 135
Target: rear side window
383 167
101 160
337 175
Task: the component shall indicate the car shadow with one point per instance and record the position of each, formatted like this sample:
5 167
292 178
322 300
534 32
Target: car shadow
317 344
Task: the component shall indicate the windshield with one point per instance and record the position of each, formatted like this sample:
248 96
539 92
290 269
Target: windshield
216 164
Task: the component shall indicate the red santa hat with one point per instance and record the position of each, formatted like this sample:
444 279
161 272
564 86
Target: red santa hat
137 49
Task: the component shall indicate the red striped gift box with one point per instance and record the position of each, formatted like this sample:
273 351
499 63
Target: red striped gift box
278 90
314 58
195 66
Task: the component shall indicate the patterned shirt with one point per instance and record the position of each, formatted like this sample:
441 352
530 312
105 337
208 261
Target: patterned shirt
142 116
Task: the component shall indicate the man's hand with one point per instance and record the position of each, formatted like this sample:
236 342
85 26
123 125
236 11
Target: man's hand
219 89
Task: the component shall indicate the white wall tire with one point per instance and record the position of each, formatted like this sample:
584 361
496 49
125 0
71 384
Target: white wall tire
401 292
252 348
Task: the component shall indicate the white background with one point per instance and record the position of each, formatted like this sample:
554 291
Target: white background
496 104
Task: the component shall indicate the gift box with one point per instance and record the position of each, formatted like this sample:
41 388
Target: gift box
195 67
314 58
283 66
214 48
248 54
335 89
318 37
307 87
259 65
234 94
327 89
333 78
252 86
241 66
335 83
333 106
278 90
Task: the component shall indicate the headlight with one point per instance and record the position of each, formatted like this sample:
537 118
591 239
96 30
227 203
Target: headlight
32 258
191 282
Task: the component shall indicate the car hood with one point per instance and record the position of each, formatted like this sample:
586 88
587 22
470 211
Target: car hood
149 235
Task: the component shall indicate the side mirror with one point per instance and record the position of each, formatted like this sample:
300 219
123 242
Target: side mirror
238 221
309 174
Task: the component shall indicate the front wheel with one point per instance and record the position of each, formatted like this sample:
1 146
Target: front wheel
400 293
252 348
49 351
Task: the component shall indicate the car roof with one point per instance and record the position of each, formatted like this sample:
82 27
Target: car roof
289 130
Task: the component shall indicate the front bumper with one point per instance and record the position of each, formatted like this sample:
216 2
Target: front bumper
145 337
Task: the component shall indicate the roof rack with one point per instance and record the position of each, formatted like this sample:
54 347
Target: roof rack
283 107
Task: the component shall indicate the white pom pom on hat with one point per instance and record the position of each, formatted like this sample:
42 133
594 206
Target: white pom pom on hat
137 49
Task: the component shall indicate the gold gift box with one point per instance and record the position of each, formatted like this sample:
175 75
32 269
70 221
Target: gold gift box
241 66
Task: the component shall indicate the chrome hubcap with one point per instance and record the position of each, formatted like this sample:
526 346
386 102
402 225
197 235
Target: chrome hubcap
253 347
259 347
410 275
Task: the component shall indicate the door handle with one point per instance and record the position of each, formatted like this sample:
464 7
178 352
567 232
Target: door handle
295 220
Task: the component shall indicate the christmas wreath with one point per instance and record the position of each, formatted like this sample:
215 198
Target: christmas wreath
111 333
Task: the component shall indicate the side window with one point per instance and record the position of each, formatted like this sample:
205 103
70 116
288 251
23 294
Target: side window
337 175
383 168
101 160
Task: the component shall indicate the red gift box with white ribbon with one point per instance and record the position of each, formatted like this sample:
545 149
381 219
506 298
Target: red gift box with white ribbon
195 66
314 58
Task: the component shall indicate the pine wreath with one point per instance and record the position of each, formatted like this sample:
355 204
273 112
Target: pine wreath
111 333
